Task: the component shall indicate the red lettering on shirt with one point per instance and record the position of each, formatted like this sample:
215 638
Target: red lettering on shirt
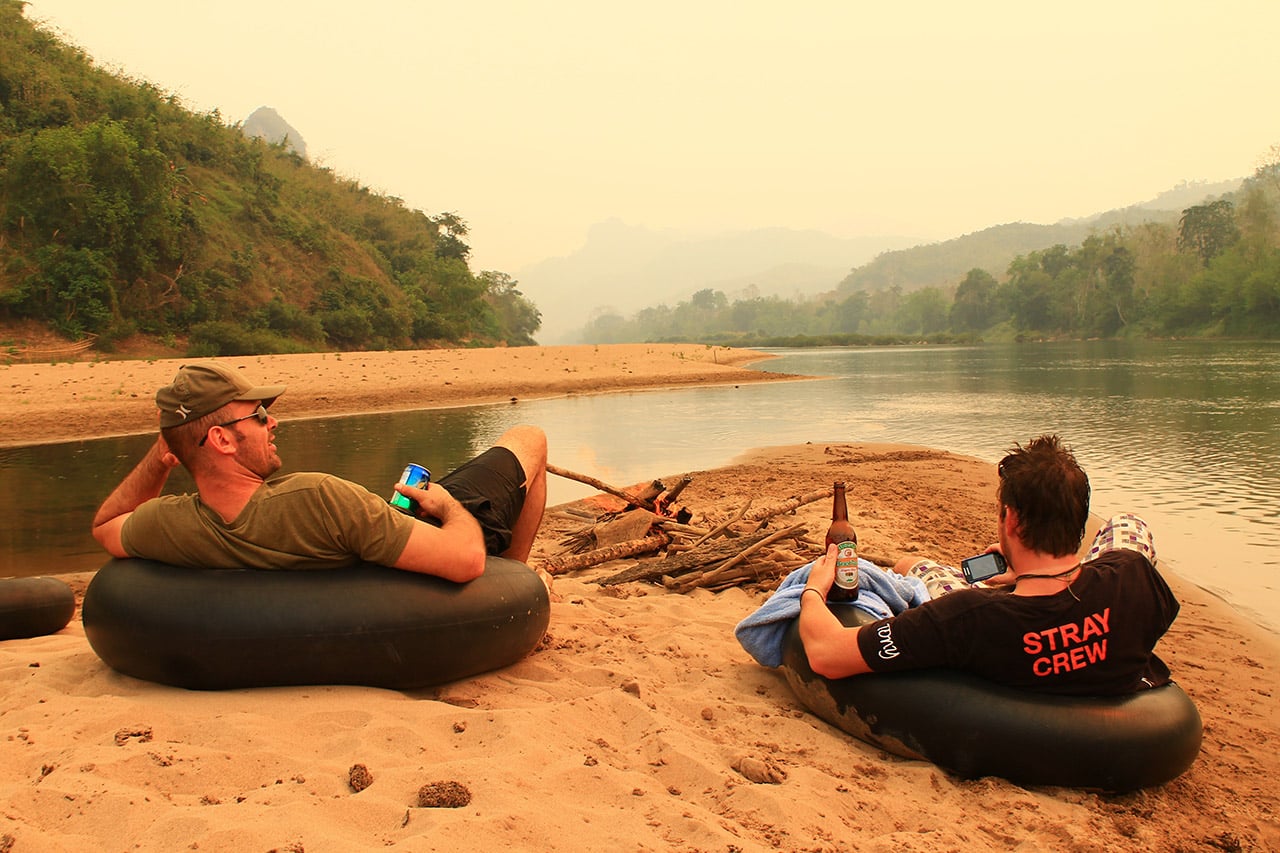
1069 645
1077 658
1070 634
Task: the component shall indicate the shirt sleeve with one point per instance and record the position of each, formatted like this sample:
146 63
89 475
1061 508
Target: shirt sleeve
910 640
156 528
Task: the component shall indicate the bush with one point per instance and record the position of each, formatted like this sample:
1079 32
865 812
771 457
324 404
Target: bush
209 340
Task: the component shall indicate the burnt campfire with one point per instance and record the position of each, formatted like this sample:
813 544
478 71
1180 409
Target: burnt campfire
752 547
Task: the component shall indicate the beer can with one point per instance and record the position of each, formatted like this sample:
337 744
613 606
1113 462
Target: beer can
414 475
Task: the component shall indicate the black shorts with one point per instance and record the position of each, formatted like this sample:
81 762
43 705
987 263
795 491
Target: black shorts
491 487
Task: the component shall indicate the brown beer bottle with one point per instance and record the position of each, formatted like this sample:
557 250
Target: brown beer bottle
845 538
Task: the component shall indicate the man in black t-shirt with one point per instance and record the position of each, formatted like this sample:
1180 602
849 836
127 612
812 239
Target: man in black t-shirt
1051 623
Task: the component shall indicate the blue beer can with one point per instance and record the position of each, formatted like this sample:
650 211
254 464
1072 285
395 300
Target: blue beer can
414 475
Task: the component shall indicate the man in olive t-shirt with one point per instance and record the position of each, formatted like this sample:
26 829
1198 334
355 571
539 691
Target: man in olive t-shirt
216 423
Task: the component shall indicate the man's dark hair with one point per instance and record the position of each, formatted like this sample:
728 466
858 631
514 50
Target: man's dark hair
1050 492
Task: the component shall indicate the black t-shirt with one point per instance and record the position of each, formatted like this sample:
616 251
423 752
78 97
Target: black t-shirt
1097 646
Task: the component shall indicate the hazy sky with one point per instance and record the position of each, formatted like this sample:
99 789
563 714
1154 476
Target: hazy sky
534 120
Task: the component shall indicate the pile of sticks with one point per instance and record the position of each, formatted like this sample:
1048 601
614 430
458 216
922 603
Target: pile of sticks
749 548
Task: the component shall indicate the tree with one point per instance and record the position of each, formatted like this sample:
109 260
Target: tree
923 312
852 312
450 229
1208 229
1028 293
974 305
517 318
1119 267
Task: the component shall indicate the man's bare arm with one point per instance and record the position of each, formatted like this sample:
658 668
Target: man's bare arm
143 483
832 648
454 550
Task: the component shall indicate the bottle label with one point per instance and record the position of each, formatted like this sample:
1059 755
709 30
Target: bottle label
847 565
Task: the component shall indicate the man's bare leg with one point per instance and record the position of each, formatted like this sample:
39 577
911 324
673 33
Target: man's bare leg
529 444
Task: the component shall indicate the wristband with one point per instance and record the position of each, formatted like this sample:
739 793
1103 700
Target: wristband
815 591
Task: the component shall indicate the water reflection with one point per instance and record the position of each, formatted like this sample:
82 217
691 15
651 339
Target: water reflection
1184 432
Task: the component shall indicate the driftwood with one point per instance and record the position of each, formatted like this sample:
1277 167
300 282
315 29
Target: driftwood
730 567
667 498
721 528
678 528
645 500
737 575
648 495
713 555
577 562
790 505
742 549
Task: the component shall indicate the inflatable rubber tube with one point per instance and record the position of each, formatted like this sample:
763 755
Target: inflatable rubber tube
33 607
973 727
210 629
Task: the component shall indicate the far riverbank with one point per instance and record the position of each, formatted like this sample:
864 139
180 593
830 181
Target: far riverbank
45 403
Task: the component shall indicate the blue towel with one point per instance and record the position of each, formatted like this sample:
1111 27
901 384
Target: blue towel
881 593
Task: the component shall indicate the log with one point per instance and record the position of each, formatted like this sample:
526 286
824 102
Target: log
623 527
676 527
789 505
680 563
667 499
726 568
746 572
572 514
601 485
560 565
648 495
720 528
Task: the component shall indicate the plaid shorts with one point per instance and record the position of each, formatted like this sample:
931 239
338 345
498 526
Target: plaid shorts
1125 531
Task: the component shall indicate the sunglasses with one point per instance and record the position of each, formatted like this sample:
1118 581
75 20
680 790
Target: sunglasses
260 413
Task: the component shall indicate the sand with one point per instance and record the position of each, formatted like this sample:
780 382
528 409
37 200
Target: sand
622 731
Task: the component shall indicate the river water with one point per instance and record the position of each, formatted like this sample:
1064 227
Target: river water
1186 434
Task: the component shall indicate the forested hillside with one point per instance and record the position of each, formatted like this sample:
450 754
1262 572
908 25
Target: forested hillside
1211 269
123 214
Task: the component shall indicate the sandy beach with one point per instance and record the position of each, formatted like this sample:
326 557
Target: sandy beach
629 727
67 400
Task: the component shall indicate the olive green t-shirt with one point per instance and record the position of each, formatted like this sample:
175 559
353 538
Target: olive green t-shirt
296 521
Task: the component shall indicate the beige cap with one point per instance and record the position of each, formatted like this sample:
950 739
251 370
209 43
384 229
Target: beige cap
199 389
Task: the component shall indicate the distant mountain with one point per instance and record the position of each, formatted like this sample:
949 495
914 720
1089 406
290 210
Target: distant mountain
623 268
269 125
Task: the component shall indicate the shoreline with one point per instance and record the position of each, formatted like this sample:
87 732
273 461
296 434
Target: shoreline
70 401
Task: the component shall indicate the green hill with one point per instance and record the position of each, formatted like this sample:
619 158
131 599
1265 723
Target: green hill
123 214
946 263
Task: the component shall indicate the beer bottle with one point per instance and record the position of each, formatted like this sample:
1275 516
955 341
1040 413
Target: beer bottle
845 538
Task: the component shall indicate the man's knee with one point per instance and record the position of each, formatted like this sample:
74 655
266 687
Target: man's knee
529 444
